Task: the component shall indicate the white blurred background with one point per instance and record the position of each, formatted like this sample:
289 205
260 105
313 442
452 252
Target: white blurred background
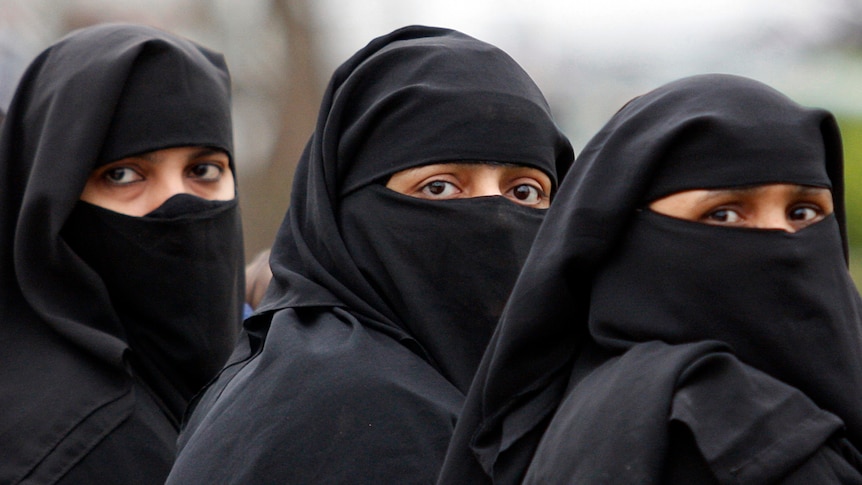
589 57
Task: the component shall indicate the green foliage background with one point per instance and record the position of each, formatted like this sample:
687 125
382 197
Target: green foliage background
851 132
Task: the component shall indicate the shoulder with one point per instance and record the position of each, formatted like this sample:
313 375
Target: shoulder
126 438
323 348
326 399
140 449
56 405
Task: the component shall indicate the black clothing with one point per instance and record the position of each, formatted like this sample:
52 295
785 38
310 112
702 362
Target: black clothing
180 341
145 435
641 348
443 273
110 323
381 304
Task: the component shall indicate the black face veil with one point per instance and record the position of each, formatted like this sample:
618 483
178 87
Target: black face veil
433 274
80 309
607 277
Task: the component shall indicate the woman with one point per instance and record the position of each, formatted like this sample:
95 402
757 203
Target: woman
686 314
121 253
414 205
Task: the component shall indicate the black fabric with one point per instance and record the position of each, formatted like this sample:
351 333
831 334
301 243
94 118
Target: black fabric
626 325
327 400
180 337
381 304
183 112
614 425
784 302
72 381
445 268
140 450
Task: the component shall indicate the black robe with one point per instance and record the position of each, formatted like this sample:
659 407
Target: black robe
641 348
381 304
109 323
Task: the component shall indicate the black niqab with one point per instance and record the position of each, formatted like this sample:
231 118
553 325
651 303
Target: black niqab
381 304
446 276
626 325
180 338
74 366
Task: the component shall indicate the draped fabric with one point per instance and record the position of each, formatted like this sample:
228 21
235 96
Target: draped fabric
79 393
632 338
179 334
381 304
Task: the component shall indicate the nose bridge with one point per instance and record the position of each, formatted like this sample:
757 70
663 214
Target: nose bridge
168 183
485 183
773 217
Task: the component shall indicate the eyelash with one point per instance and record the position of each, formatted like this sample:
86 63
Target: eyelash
217 166
539 192
107 173
708 215
429 184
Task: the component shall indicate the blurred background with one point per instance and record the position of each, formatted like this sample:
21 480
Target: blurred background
588 56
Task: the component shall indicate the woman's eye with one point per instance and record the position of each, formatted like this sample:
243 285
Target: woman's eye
206 171
803 213
723 216
121 176
439 188
526 194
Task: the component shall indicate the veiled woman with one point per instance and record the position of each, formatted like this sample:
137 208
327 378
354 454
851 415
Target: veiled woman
413 207
120 253
686 314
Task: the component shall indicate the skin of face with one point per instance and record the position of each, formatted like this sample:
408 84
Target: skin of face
139 184
786 207
441 181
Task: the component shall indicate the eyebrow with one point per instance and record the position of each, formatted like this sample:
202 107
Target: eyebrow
808 189
205 151
719 193
202 152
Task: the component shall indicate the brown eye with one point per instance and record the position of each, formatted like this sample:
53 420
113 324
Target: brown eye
803 214
723 216
208 172
439 188
121 175
526 193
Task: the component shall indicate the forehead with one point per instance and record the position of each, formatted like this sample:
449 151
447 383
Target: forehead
175 153
473 167
765 192
760 189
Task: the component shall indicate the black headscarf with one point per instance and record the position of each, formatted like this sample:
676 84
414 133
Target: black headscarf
381 304
93 300
624 320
